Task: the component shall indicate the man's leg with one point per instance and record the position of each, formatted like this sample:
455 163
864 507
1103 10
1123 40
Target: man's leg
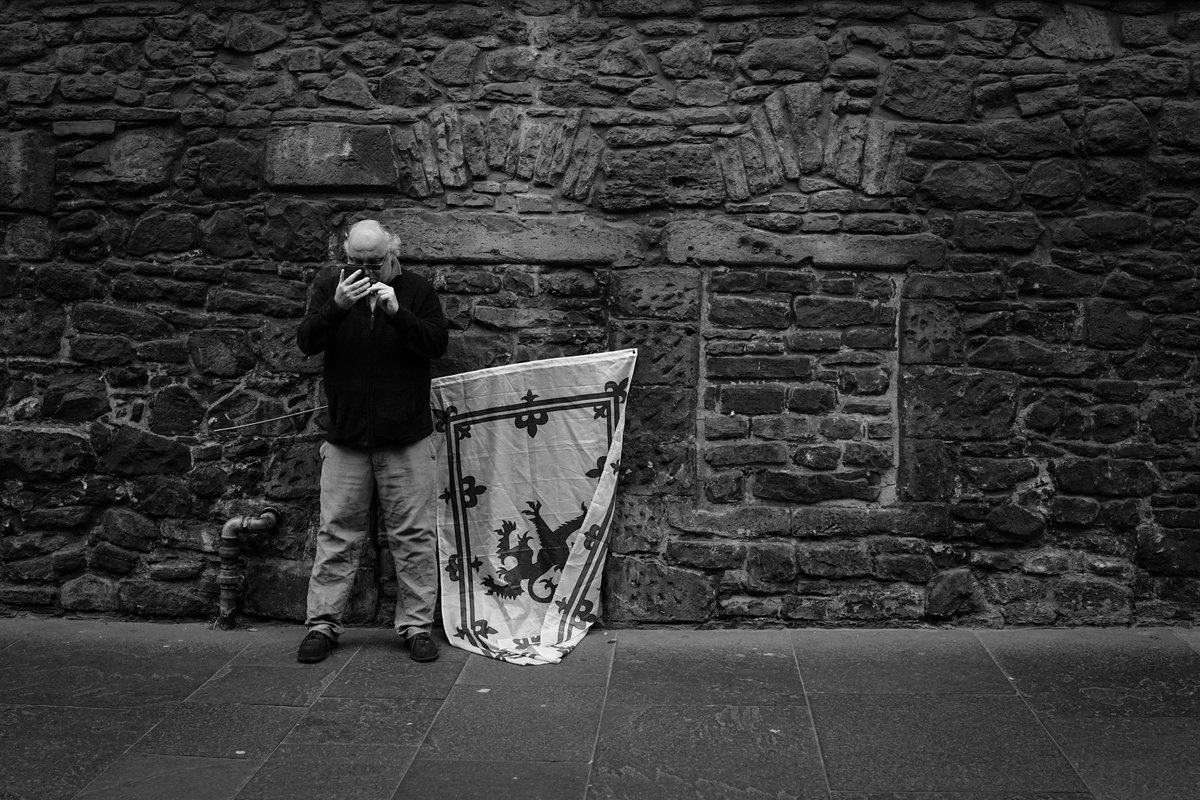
346 491
407 482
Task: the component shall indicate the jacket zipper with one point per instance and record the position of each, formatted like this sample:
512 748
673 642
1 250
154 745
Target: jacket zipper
370 382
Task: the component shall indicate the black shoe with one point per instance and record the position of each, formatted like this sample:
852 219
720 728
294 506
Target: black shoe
422 647
315 647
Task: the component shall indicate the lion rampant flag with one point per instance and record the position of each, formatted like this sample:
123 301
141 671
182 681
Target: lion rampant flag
527 456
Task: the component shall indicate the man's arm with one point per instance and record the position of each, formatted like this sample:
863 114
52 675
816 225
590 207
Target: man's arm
322 318
422 329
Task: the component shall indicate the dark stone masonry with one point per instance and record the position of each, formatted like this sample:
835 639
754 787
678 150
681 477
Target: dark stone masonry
914 286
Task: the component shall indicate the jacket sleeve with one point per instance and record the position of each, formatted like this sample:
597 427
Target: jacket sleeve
322 318
423 327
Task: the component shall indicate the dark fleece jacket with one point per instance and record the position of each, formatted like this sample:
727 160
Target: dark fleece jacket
376 366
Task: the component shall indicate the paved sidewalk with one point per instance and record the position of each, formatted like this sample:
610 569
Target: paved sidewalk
102 709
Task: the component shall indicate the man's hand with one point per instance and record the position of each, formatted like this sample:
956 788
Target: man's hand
387 298
352 289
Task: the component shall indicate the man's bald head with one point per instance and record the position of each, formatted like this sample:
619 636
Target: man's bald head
367 240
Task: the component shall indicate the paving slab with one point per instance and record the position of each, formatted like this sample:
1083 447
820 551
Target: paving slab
382 668
516 723
937 743
961 796
327 771
1100 671
220 730
48 752
705 668
111 665
346 720
254 684
1128 758
676 752
155 777
897 662
1191 637
588 664
495 780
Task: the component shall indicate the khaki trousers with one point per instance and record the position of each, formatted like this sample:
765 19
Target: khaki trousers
403 477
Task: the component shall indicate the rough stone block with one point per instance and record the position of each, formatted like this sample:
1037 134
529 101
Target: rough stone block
27 177
784 427
969 185
248 34
813 488
154 599
647 591
490 238
1135 76
35 453
1077 34
662 411
833 559
75 397
1168 551
1111 324
1109 477
133 451
930 332
672 294
129 529
953 594
89 593
1179 124
677 175
1085 600
220 352
752 399
754 367
771 562
936 91
706 554
761 311
786 60
957 404
276 589
640 524
984 230
729 455
667 354
331 155
911 567
730 244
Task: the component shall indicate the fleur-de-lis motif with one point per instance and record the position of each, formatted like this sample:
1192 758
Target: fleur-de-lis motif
530 420
454 568
442 418
471 491
599 468
592 537
619 390
482 628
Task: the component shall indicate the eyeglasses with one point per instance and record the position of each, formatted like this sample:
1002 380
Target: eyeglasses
370 263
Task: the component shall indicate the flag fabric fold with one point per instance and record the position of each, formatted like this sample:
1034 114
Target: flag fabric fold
527 462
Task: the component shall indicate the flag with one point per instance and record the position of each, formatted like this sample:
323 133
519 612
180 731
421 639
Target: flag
527 459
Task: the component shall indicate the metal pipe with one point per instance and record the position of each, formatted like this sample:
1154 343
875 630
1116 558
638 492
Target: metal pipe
230 550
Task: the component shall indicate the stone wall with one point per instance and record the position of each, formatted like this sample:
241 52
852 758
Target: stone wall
914 286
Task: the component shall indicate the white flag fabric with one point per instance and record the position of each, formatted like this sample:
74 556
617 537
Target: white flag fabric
527 457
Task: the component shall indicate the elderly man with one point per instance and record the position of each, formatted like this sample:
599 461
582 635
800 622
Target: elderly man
379 327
